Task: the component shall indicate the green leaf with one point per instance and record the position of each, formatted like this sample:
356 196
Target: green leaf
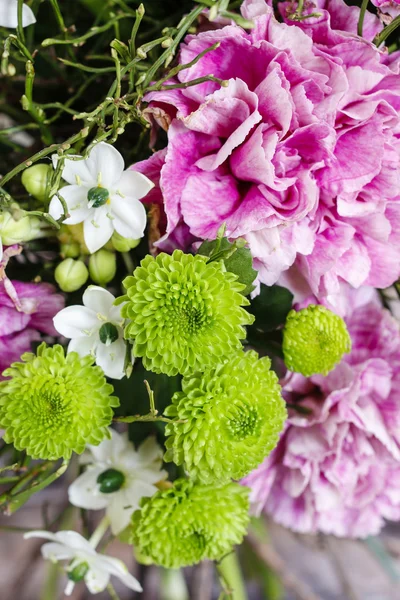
41 477
236 260
271 307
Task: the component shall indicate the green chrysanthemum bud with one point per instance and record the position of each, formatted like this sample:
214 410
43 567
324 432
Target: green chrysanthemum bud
35 180
227 419
71 274
190 522
102 266
186 314
314 340
54 405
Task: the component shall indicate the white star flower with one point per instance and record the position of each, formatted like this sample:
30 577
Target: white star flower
117 477
103 197
95 328
86 564
9 14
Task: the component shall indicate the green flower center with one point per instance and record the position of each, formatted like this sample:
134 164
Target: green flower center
110 481
78 573
48 407
108 333
242 422
97 196
187 311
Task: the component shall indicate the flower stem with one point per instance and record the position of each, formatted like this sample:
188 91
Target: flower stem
231 577
381 37
361 17
99 531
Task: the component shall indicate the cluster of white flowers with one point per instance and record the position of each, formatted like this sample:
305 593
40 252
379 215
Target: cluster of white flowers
116 478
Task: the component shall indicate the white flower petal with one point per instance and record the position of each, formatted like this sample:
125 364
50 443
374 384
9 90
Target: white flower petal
131 582
96 579
150 451
1 250
40 533
117 568
97 229
106 161
98 299
75 197
75 541
112 358
76 172
70 539
74 321
107 451
120 510
129 216
9 14
54 551
84 491
134 184
84 345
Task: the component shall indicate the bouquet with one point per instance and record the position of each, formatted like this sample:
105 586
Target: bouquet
199 255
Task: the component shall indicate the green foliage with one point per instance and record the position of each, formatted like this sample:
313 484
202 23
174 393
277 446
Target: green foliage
271 307
226 420
53 405
314 340
237 260
184 314
189 522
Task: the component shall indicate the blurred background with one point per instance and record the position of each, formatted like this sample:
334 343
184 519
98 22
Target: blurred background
277 563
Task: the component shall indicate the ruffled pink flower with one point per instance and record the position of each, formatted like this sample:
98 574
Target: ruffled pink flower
26 311
298 152
336 468
390 7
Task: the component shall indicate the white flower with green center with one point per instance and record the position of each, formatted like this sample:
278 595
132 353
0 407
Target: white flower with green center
102 196
117 478
96 328
9 14
85 563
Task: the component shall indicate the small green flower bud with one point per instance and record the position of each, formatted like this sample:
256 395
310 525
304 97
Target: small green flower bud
71 274
102 266
35 180
122 244
314 340
78 573
110 481
16 231
70 250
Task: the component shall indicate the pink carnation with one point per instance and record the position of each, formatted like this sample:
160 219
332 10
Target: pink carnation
298 153
336 468
391 7
26 310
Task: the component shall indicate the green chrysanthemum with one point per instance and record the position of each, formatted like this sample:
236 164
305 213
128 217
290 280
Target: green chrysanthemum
54 405
185 314
190 522
314 340
227 419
